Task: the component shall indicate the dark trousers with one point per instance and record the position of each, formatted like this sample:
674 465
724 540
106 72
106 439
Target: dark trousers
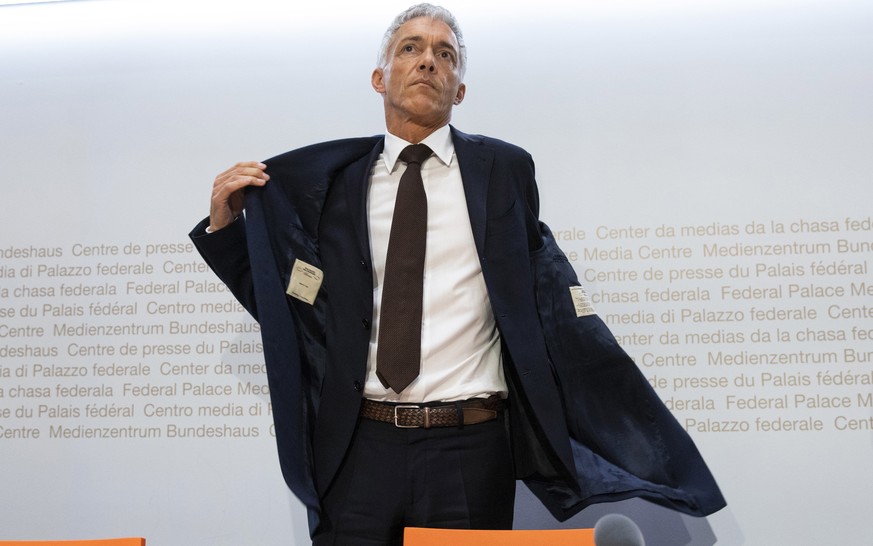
392 478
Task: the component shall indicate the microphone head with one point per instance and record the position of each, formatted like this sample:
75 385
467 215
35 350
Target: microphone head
617 530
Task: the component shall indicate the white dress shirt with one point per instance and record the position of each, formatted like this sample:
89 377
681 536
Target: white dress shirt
460 346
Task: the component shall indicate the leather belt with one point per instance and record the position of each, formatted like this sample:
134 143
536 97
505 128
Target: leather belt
453 414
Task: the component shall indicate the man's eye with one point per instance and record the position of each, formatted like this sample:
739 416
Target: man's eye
408 49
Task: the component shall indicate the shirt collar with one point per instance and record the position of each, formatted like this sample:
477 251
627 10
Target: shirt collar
440 141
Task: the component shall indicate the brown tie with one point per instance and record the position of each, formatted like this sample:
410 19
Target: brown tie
398 357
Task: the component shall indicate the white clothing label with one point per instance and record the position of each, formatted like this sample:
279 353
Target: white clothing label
581 301
305 282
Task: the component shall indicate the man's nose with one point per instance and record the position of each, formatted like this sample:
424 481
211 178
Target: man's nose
427 62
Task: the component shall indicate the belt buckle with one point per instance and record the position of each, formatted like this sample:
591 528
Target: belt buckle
413 407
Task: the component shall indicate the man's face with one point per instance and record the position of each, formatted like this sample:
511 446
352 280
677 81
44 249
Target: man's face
421 79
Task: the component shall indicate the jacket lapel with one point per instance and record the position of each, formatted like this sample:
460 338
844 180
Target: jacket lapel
474 160
357 189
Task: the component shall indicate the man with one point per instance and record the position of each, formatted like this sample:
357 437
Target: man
413 384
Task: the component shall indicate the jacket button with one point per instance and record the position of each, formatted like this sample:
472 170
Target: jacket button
358 386
364 265
365 323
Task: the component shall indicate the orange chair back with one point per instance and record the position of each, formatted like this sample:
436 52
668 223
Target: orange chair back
418 536
96 542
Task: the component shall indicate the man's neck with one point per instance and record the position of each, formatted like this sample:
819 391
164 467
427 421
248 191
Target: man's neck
412 132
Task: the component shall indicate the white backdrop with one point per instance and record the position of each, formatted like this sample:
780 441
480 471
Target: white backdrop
705 164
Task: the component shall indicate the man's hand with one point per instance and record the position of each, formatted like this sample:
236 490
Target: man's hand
227 192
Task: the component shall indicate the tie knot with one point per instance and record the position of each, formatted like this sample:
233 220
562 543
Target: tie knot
415 153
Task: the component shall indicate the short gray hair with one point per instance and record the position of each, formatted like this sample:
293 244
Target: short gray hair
425 10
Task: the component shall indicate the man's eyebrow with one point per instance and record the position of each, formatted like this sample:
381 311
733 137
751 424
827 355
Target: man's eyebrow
413 38
418 39
447 45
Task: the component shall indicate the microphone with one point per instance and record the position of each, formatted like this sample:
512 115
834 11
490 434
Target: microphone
617 530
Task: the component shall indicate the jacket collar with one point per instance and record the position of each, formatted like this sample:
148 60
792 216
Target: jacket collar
474 159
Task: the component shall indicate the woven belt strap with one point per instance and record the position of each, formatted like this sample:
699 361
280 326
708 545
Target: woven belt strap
468 412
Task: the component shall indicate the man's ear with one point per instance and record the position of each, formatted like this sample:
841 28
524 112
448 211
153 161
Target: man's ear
377 80
459 97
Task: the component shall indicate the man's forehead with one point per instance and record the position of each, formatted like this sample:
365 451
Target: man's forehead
416 29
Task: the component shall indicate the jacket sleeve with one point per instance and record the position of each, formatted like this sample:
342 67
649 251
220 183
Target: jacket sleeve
226 253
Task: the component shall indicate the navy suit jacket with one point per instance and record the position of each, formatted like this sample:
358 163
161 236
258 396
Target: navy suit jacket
585 425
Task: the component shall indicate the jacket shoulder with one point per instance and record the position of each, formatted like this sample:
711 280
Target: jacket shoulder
326 156
496 144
